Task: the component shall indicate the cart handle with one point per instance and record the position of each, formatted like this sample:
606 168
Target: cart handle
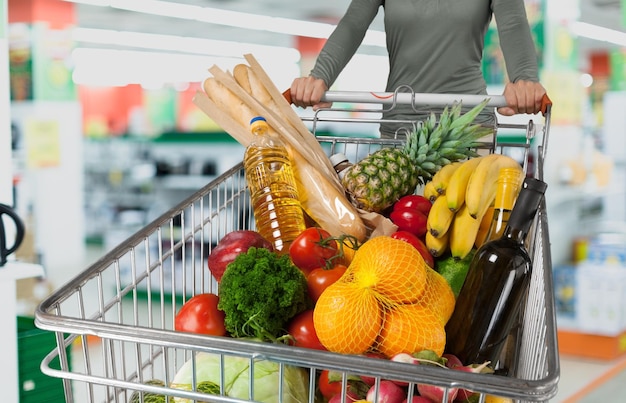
546 104
408 98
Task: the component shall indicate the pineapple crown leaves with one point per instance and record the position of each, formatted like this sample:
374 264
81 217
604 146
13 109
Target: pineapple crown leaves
467 118
427 170
456 111
442 130
469 132
431 122
422 134
451 139
454 138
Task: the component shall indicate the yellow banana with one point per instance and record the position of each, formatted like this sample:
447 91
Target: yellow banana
440 217
481 187
483 228
457 185
430 192
463 233
441 178
437 246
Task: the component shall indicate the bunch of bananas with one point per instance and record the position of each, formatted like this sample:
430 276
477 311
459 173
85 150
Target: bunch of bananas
462 194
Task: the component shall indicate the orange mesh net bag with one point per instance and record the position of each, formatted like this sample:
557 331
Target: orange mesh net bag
389 301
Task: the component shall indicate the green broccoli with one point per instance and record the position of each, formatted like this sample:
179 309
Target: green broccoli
260 292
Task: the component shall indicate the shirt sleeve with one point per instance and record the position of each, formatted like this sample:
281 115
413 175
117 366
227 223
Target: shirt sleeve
345 40
516 42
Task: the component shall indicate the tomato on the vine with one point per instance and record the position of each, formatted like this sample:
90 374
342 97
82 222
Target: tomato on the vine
313 248
302 330
327 388
200 315
319 279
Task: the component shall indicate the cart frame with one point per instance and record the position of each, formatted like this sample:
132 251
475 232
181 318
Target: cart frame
129 297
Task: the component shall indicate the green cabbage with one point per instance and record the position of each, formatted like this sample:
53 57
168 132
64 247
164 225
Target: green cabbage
237 378
149 397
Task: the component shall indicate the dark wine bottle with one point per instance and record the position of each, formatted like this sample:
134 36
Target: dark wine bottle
496 284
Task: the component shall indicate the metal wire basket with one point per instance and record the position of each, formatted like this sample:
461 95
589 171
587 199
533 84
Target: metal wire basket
118 314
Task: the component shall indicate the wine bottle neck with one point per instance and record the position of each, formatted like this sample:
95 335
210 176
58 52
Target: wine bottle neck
516 234
525 209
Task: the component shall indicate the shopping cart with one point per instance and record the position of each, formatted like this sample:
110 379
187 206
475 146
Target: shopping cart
118 314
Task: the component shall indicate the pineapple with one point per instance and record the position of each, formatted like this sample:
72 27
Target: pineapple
381 178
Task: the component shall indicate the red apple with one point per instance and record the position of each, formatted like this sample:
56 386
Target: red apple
230 246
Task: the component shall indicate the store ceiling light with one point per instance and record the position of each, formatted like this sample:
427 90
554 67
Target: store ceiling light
598 33
180 44
118 67
317 29
232 18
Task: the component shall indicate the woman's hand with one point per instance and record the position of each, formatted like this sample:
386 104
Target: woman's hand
308 91
522 97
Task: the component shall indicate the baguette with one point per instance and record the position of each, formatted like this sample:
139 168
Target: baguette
228 101
281 104
223 118
329 208
274 120
248 81
232 100
321 195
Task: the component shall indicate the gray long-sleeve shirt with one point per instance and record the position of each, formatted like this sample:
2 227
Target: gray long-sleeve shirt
434 46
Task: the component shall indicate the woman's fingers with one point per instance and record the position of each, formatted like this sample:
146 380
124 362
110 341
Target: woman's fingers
308 91
522 97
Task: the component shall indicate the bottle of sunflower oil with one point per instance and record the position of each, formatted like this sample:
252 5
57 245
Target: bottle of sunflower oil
277 211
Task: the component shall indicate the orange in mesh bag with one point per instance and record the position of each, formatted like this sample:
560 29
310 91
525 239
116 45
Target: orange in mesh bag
409 329
347 318
438 295
389 301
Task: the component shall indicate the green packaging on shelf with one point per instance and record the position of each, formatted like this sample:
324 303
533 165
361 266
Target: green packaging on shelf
33 345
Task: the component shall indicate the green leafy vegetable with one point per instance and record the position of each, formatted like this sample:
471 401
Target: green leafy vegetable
237 371
260 292
149 397
206 387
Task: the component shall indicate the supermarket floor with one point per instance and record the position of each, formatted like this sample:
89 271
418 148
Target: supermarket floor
582 380
591 381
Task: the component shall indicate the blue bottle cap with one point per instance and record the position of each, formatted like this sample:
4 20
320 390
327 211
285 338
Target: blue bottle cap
257 118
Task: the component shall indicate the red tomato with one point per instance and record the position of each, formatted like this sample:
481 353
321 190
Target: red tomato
328 389
416 202
408 219
417 244
200 315
313 248
320 278
302 330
